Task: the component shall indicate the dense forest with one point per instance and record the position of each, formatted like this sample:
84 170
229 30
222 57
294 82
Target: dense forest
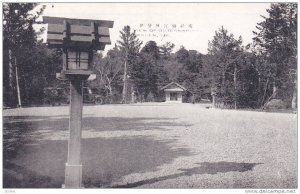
237 75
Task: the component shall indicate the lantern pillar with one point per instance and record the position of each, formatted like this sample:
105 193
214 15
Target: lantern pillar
73 173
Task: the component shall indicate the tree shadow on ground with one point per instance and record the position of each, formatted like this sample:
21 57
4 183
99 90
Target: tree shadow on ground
29 123
104 161
111 159
17 130
36 166
29 162
203 168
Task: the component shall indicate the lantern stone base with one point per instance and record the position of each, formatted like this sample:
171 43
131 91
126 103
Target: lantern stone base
73 176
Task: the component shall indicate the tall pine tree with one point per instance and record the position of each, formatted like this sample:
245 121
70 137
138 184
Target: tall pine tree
19 41
130 46
276 43
225 53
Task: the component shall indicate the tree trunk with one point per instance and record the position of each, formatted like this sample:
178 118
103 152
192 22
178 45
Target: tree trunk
294 99
110 94
124 93
11 70
260 88
18 86
110 91
274 89
235 86
263 99
223 79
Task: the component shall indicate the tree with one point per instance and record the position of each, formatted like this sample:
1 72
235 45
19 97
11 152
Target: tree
276 43
166 50
109 69
19 38
225 53
173 68
38 68
182 55
191 73
145 73
130 46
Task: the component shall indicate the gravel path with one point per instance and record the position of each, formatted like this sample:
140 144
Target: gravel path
154 145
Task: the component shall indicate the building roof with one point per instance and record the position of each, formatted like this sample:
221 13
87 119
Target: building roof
171 85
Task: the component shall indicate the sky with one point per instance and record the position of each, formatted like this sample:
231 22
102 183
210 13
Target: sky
190 25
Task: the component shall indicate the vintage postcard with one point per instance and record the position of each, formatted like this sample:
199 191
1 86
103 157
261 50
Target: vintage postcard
150 95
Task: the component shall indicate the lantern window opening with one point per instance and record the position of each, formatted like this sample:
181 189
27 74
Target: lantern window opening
78 60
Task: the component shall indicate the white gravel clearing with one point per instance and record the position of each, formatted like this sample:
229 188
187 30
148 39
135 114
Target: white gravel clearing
221 139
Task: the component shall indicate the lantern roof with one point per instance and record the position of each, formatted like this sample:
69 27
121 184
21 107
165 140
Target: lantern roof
77 34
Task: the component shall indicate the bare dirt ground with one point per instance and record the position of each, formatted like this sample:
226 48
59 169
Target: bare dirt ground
153 145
